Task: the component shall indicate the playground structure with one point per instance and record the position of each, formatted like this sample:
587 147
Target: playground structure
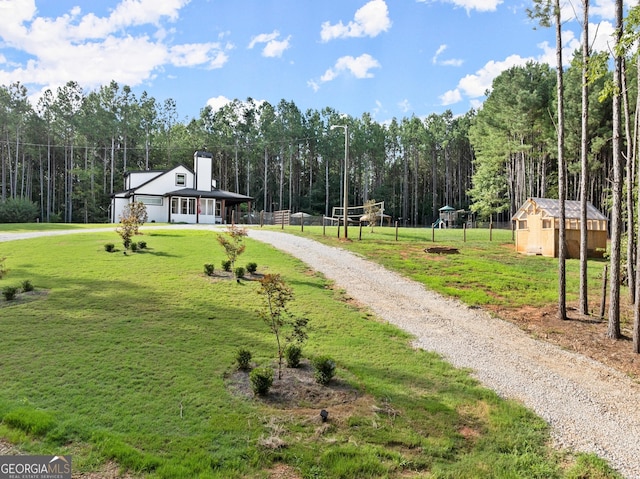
358 214
449 217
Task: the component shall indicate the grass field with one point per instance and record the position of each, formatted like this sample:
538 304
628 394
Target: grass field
126 358
487 269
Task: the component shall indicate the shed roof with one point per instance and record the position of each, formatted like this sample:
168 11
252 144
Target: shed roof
551 208
229 197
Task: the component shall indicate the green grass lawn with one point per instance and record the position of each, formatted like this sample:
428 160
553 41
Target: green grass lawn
126 358
487 270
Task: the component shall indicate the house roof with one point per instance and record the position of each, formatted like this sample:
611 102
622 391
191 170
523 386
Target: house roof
551 208
230 198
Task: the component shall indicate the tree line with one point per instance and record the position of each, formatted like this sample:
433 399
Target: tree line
70 152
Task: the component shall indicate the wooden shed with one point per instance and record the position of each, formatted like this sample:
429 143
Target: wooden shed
537 228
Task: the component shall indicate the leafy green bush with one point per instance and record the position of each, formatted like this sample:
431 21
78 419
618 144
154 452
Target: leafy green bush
325 369
261 380
9 292
27 286
243 358
226 265
18 210
109 247
239 272
252 267
142 245
208 269
293 354
134 246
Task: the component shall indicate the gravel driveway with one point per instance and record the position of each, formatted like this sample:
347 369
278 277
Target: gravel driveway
590 407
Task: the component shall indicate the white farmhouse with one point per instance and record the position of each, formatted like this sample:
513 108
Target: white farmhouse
179 195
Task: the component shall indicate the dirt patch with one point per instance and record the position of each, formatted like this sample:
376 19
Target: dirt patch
584 334
297 389
110 470
22 298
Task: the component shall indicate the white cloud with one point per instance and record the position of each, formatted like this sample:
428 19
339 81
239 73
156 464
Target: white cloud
601 36
468 5
359 67
92 50
452 62
218 102
404 105
273 47
605 9
439 51
188 55
476 85
263 38
313 85
276 48
451 97
368 21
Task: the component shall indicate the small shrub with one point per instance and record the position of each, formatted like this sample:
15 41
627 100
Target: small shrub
239 272
261 380
134 246
208 269
325 368
226 265
142 245
109 247
252 267
293 354
27 286
243 358
9 292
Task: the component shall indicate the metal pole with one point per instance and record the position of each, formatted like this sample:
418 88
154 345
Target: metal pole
346 176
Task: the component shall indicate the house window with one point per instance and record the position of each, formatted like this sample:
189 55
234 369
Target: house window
522 225
546 223
183 206
181 179
207 206
188 206
150 200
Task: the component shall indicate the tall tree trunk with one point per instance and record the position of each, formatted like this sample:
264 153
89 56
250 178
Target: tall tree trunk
631 243
266 158
562 246
113 161
584 162
613 329
636 309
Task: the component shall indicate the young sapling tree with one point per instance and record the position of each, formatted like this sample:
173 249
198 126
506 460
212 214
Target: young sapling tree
136 212
133 216
287 329
231 241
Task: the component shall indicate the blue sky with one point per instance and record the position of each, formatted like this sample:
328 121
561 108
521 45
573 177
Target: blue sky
391 58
